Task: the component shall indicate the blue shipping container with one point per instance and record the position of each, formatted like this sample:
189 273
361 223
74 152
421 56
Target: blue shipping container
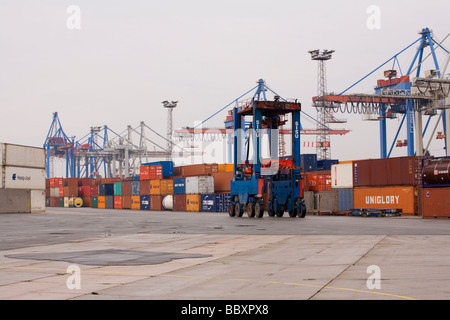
222 202
208 202
106 189
179 185
308 162
345 199
167 167
145 202
135 187
326 164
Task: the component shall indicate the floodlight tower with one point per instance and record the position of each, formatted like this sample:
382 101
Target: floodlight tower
170 106
324 112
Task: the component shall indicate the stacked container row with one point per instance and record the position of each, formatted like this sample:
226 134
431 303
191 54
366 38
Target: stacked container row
22 179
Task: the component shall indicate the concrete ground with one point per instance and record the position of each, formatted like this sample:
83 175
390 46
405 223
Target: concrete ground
110 255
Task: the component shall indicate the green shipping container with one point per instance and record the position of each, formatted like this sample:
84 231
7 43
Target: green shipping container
117 188
61 202
94 202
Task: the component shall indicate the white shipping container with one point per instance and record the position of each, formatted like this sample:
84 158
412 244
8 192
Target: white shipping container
199 185
22 156
342 175
23 178
54 192
37 201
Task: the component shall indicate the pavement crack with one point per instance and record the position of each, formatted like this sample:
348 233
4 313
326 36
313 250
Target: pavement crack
348 267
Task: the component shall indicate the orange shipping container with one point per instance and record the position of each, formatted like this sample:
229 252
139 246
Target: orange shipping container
155 187
396 197
135 202
101 202
225 167
166 186
193 202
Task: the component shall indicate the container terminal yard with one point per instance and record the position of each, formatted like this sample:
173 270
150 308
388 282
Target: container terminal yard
142 221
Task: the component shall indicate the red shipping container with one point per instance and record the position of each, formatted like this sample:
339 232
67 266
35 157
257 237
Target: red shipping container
435 202
126 188
144 187
179 202
151 172
156 202
56 182
117 202
87 201
126 202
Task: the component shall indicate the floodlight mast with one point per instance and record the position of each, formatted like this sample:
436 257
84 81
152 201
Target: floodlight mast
169 106
324 114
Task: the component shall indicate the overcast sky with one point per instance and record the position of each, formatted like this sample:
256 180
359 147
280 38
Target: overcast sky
129 56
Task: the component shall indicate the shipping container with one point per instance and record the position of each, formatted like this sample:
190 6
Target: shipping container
61 202
135 188
155 187
317 181
435 202
56 182
222 201
166 168
179 202
327 201
94 202
118 202
149 172
193 202
144 187
345 199
106 189
156 202
199 185
326 164
145 202
166 186
109 202
117 188
15 200
179 185
126 188
342 175
126 202
222 181
199 169
389 197
101 202
167 202
208 202
22 156
436 172
70 191
136 202
22 178
399 171
308 162
87 202
225 167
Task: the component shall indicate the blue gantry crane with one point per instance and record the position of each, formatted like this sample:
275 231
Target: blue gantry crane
402 96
